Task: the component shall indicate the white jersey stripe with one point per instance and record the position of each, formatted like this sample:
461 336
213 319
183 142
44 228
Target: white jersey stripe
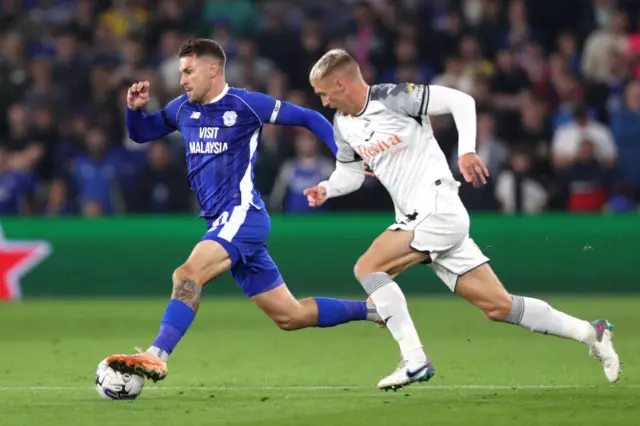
274 114
239 214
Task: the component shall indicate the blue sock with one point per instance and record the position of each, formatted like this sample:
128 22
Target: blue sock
332 312
176 321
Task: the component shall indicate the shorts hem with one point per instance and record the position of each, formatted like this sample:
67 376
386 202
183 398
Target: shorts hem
455 285
232 250
275 284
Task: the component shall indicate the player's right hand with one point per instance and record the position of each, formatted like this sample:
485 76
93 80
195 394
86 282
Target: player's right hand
473 169
138 95
316 196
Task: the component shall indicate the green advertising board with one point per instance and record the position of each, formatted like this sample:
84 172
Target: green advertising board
135 256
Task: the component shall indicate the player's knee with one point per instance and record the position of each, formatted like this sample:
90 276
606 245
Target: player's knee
498 310
182 273
362 268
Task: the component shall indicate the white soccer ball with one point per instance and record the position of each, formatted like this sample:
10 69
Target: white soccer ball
112 384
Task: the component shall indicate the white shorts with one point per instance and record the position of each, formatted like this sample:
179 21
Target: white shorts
441 228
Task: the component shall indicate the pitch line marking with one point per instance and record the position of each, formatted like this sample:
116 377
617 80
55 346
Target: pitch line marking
300 388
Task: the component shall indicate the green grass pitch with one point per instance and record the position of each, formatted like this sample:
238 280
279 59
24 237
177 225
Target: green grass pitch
235 367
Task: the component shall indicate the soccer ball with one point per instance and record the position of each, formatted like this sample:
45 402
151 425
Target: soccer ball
112 384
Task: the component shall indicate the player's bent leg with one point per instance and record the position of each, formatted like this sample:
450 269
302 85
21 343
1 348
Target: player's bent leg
207 261
291 314
287 312
259 278
482 288
391 253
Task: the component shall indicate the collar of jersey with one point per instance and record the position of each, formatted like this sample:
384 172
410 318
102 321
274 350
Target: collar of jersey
221 95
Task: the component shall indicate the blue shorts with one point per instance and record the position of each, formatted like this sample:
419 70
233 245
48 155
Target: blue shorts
243 232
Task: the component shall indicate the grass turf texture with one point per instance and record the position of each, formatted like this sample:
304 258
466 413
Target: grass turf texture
235 367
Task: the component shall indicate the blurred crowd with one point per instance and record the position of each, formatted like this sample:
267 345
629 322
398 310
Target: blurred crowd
555 83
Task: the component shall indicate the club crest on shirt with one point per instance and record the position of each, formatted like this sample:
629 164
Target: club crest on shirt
229 118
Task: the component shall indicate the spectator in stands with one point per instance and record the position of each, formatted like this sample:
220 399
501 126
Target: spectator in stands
516 189
406 55
24 151
510 87
567 139
569 92
169 63
133 59
17 188
534 65
313 45
454 75
45 132
625 124
71 71
366 38
43 88
533 130
124 17
95 175
600 43
520 30
567 48
298 174
585 180
475 63
162 186
248 67
242 15
82 22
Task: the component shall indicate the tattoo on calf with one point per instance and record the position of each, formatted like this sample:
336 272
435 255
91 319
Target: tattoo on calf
187 291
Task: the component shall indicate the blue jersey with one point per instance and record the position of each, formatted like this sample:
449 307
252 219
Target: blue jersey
221 141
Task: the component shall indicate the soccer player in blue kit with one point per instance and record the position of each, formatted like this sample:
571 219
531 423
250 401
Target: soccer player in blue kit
221 128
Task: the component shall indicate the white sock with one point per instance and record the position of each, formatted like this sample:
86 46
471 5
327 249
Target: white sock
158 353
392 307
540 317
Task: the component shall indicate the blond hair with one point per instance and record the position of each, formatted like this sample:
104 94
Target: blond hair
331 61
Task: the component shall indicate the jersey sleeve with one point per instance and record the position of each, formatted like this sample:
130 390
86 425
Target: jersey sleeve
144 127
405 98
345 153
278 112
265 107
170 112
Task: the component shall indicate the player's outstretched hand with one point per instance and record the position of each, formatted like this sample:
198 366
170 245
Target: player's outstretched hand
473 169
138 95
316 196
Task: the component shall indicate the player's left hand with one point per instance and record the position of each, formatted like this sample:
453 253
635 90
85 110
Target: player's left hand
473 169
316 196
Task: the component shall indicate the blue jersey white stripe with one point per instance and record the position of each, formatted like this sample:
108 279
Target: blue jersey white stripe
221 142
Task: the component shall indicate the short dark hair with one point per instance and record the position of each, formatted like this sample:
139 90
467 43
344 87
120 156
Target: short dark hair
203 47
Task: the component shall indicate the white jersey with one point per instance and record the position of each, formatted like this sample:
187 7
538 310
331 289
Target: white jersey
394 137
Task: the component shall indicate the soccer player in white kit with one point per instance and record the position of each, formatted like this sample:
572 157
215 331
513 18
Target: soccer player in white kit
386 127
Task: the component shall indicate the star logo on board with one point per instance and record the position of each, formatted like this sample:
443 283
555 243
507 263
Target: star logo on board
18 257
